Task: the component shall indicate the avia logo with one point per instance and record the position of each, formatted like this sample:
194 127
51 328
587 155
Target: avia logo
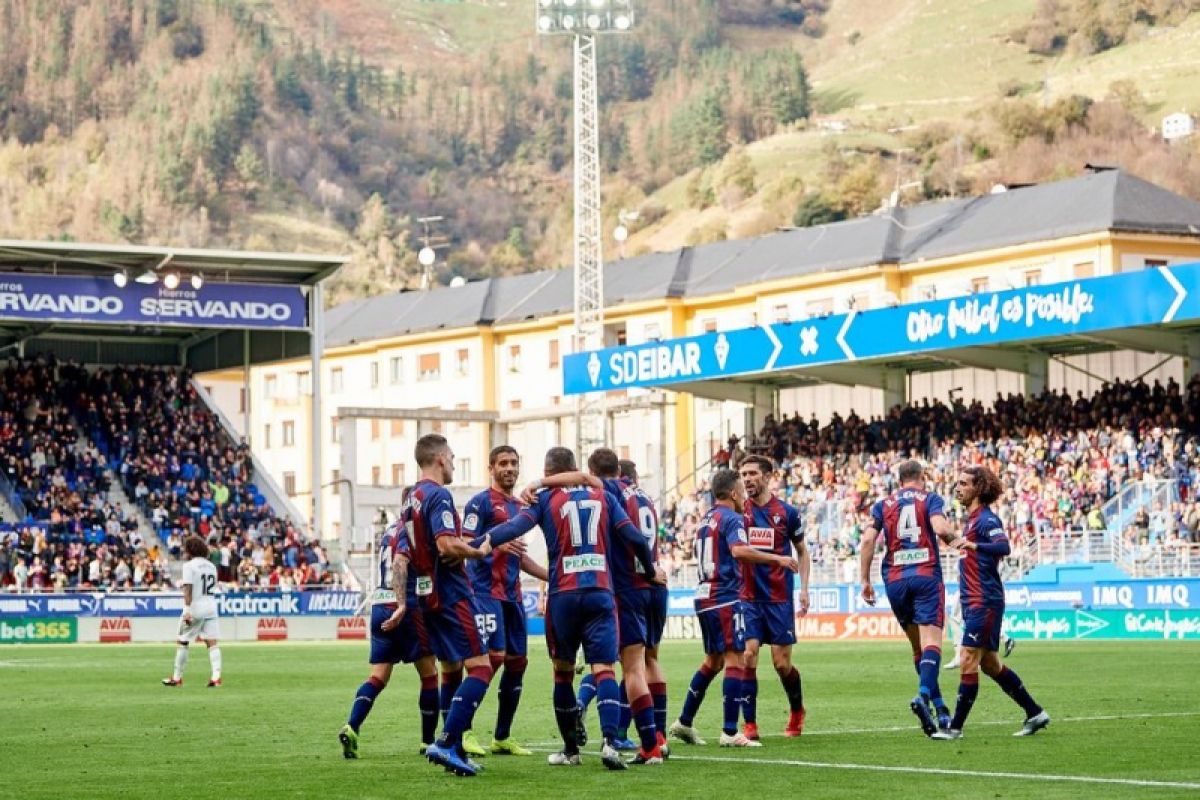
116 630
808 341
272 629
352 628
594 368
722 350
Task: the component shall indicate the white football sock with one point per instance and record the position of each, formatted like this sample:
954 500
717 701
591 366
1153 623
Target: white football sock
214 658
181 656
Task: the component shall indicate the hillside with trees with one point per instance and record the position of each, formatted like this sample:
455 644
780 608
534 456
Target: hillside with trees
333 126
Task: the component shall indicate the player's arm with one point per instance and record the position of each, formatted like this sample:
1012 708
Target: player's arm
796 530
450 544
624 529
751 555
187 600
866 555
534 569
399 584
516 527
996 545
560 481
936 507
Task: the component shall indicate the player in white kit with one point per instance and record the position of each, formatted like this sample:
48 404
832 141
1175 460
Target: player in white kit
199 618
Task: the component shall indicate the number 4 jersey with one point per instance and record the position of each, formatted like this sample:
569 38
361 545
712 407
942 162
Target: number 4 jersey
912 548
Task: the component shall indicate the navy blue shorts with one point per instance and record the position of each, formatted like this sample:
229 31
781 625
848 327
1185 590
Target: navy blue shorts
723 629
981 627
585 619
770 623
632 606
918 601
503 625
407 643
454 631
656 615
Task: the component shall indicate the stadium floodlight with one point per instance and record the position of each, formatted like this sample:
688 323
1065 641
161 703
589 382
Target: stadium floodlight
147 277
427 256
197 281
596 16
171 280
121 279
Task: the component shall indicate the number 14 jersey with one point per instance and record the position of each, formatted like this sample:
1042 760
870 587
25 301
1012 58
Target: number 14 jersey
912 547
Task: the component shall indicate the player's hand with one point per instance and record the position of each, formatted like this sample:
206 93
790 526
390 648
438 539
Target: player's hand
391 622
485 548
593 481
868 594
803 602
514 548
789 563
958 544
188 619
660 576
528 495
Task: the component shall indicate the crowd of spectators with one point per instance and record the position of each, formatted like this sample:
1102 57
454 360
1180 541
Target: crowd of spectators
65 430
1061 459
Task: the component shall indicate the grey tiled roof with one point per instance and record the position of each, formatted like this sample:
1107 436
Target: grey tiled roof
1092 203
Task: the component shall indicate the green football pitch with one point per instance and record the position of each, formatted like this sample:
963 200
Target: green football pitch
92 721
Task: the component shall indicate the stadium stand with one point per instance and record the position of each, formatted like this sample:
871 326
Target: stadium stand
1118 470
171 456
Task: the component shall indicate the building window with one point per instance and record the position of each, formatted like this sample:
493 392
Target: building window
397 427
335 430
463 362
555 400
1154 262
514 358
554 357
336 380
267 436
397 369
927 292
430 366
376 473
653 332
335 481
375 426
374 374
436 426
979 285
397 474
783 313
289 484
514 405
464 469
270 387
462 423
1084 269
289 433
819 308
1033 277
710 326
304 382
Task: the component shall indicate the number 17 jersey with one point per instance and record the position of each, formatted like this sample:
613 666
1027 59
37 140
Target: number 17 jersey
912 547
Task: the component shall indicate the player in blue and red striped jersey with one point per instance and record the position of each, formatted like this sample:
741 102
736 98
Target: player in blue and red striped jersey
772 526
497 583
445 596
721 548
911 521
981 595
398 635
581 525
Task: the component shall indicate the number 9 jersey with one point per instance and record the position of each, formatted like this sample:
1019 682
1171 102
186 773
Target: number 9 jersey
912 546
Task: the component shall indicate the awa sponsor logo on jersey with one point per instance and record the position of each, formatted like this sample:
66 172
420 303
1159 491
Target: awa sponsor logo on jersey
762 538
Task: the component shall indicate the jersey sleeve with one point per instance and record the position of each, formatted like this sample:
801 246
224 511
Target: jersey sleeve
733 528
440 514
189 575
877 515
476 515
515 527
399 540
795 529
992 530
935 505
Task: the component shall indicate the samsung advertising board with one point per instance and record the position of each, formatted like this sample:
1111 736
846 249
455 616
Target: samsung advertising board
53 298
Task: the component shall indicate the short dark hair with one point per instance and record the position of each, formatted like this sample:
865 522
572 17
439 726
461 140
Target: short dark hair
724 481
428 448
501 450
628 469
603 463
560 459
195 547
764 464
911 470
986 483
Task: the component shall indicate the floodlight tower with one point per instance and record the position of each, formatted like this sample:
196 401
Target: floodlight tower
583 20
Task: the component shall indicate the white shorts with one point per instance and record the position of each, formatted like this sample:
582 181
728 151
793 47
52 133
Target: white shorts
206 628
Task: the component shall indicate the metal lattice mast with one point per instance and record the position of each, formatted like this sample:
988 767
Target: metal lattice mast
589 259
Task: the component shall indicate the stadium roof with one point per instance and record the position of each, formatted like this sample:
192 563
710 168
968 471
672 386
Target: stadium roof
200 347
1104 200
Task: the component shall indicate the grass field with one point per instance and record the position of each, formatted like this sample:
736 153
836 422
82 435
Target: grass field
92 721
